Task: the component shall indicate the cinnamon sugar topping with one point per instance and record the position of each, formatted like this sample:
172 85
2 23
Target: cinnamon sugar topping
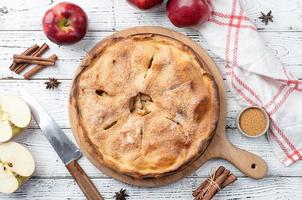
252 121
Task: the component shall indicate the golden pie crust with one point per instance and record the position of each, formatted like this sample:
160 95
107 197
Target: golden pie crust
143 105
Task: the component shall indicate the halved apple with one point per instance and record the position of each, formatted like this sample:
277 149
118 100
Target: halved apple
16 166
14 116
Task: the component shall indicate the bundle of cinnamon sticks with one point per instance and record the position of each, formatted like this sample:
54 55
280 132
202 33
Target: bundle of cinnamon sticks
32 55
218 180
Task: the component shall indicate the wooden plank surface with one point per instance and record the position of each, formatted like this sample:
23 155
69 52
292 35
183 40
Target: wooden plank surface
285 45
20 27
108 15
48 163
56 101
270 188
27 14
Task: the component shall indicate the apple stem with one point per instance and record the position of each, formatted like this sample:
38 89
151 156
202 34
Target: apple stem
64 23
67 23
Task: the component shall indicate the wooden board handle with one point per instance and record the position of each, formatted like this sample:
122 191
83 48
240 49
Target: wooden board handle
83 181
249 163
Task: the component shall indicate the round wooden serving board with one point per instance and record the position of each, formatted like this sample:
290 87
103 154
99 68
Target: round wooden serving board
250 164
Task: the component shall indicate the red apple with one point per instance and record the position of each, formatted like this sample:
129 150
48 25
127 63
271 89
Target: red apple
145 4
183 13
65 23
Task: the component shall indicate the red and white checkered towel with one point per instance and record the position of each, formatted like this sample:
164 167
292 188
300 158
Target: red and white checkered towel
256 76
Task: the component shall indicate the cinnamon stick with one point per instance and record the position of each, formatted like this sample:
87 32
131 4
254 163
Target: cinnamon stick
199 190
37 68
38 62
29 58
28 51
206 183
37 53
215 182
230 179
213 190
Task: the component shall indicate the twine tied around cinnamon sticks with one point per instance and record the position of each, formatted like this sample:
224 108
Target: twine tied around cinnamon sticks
32 55
218 179
212 182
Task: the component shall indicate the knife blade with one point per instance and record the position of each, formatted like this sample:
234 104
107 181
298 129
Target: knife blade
64 147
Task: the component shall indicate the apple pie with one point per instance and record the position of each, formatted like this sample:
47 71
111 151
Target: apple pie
143 105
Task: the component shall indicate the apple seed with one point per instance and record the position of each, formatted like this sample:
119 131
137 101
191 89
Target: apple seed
11 124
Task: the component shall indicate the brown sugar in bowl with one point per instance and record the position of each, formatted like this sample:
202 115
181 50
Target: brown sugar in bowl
253 121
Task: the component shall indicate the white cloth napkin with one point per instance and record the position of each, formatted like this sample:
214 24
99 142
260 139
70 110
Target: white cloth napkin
256 76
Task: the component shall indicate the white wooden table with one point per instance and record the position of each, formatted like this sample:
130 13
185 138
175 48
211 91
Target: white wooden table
20 27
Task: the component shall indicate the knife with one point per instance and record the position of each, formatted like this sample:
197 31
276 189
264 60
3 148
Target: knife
64 147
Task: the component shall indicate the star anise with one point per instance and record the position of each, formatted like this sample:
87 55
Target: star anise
52 83
265 18
121 195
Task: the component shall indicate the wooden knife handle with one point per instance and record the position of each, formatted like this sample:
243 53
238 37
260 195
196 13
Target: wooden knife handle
83 181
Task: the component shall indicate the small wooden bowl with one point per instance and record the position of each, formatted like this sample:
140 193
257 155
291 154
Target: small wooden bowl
266 117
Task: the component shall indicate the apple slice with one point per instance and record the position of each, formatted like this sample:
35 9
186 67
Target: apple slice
16 166
14 116
6 131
